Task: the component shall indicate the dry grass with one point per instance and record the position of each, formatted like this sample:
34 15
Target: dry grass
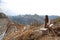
21 32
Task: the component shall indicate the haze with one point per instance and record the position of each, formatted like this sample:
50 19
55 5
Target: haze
40 7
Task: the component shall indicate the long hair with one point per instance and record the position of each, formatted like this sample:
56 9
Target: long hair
46 20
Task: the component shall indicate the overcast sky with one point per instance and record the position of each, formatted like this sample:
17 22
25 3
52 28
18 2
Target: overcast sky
40 7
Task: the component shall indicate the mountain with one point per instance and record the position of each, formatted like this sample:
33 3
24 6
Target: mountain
56 20
28 19
53 17
10 30
3 24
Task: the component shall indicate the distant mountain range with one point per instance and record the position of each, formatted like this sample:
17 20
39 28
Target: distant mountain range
28 19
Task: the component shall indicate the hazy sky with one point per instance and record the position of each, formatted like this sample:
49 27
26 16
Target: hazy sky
40 7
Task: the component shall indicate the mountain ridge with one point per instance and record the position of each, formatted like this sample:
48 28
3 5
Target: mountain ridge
28 19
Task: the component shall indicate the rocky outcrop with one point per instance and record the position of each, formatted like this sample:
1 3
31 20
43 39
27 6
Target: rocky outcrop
3 24
2 15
